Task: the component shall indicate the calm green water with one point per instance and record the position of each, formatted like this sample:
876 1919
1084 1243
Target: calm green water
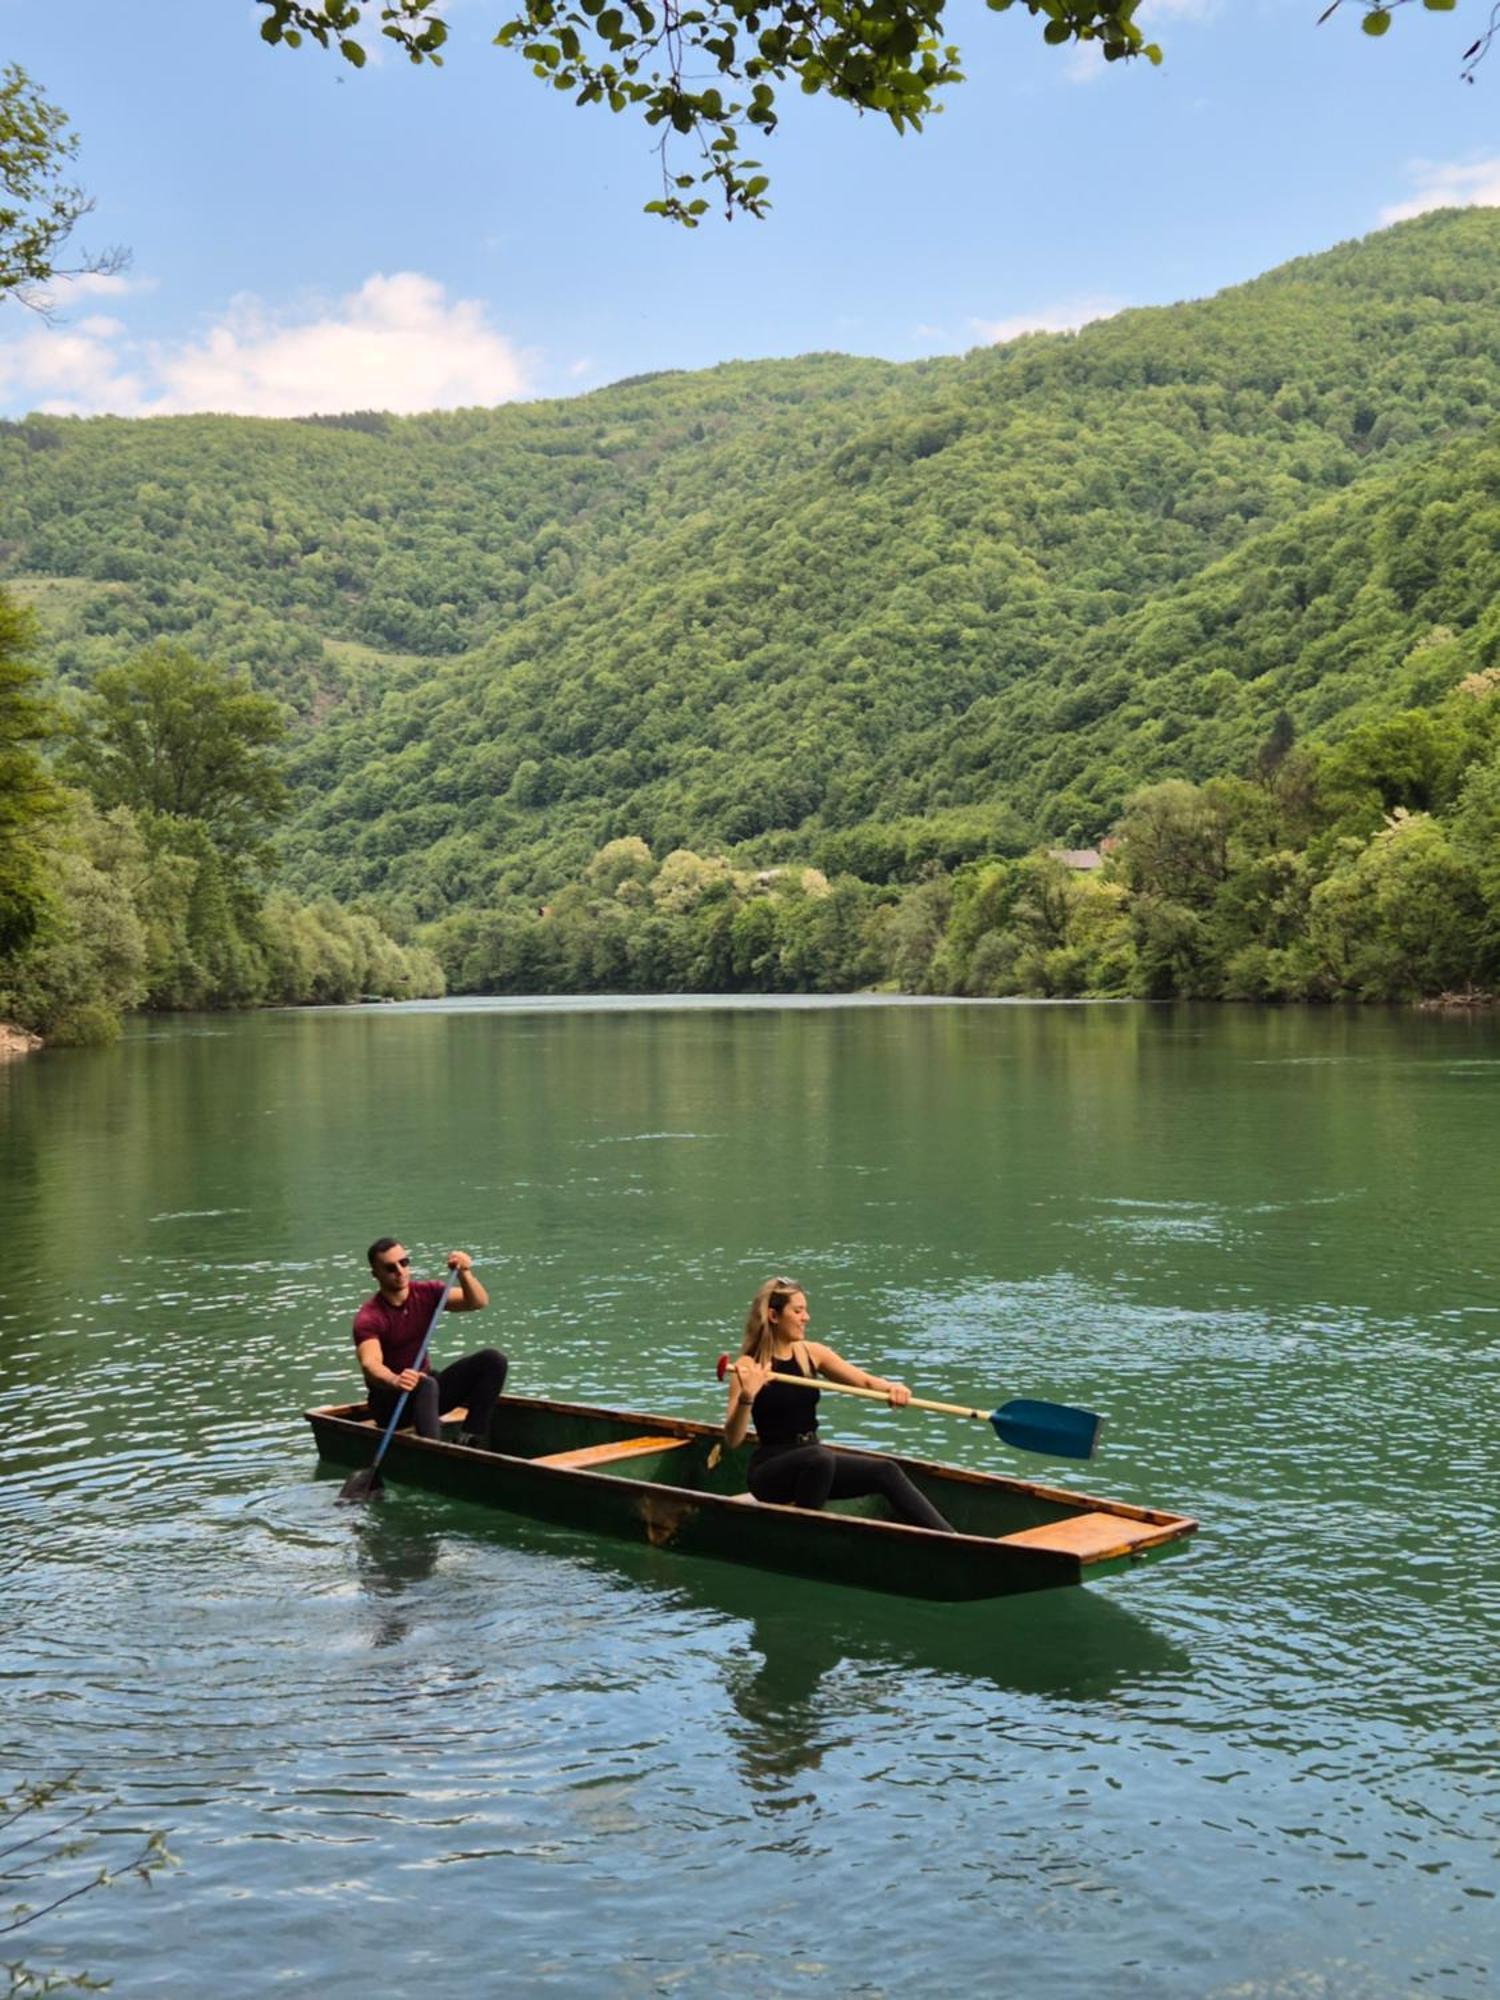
420 1748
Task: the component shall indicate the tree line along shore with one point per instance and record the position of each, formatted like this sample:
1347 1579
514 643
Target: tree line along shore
1369 871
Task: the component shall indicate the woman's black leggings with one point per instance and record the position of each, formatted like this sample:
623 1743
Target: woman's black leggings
808 1475
475 1380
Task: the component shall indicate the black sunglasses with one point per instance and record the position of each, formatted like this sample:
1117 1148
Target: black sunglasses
395 1264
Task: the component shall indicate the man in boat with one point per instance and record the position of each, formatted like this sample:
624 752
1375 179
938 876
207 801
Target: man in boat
388 1332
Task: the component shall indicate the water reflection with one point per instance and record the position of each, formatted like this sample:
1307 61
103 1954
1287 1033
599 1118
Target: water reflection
815 1660
784 1707
809 1657
1076 1644
393 1552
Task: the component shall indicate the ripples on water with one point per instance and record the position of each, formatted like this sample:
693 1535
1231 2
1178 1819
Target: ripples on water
416 1745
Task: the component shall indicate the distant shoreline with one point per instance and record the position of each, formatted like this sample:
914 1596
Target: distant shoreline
1457 1003
17 1042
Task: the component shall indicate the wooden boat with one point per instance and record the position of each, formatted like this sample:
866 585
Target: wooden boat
660 1480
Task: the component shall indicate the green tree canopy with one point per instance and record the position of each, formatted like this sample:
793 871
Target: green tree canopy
174 737
27 795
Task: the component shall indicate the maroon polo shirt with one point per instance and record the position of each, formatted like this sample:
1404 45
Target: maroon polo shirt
399 1329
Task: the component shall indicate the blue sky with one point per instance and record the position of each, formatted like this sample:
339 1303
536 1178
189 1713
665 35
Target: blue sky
306 237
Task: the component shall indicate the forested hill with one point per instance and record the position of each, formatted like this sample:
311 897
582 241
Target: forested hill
787 604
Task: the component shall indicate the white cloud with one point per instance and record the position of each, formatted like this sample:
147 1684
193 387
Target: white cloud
1451 184
96 285
69 371
55 299
1064 316
399 343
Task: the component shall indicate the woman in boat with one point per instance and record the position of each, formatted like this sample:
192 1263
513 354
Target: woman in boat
791 1465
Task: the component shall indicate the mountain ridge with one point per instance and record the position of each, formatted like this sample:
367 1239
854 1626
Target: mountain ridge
771 604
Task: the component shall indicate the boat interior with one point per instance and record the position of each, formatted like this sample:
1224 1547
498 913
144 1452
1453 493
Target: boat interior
679 1453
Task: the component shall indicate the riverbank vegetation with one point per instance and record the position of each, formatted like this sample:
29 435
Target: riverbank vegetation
1365 871
859 644
147 881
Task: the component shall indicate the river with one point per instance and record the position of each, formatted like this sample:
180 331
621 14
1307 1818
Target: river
418 1747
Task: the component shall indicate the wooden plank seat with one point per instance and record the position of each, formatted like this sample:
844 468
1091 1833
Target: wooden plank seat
1090 1537
460 1415
607 1454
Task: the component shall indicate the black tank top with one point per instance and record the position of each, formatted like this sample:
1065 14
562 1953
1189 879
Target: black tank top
784 1416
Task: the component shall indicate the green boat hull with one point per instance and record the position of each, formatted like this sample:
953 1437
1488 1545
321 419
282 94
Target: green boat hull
667 1482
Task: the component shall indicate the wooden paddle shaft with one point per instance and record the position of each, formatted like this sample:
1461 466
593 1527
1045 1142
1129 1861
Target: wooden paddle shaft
881 1396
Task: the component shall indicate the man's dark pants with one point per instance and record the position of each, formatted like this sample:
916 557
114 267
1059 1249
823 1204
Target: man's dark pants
474 1381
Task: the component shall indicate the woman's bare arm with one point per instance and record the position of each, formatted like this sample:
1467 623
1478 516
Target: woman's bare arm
837 1369
746 1378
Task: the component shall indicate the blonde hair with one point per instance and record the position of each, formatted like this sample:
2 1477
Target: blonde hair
773 1297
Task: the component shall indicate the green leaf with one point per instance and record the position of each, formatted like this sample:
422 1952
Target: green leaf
352 53
1377 22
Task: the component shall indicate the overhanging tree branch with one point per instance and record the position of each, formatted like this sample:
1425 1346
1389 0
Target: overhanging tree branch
705 70
1377 16
39 206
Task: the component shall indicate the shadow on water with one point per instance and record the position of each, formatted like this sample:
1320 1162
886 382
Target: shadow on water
1074 1646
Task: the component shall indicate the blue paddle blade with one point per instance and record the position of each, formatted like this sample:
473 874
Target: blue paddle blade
1054 1430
